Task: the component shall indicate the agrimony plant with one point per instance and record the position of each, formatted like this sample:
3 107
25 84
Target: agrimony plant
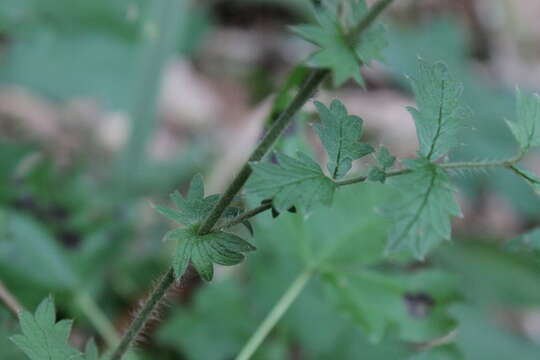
348 37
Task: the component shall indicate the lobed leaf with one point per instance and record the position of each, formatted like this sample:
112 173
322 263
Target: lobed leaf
386 161
421 214
339 133
439 115
205 250
292 182
43 337
202 250
342 55
192 209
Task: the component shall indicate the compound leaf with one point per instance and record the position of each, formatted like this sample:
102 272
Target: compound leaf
439 115
341 54
526 129
292 182
421 214
339 132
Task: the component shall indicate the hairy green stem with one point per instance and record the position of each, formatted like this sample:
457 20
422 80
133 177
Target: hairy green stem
363 178
279 309
453 165
144 314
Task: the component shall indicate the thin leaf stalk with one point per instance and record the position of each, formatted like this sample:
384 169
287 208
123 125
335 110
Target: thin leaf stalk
277 312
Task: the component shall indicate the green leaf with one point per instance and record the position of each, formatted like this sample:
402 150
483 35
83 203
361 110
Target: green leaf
341 55
439 115
192 209
481 337
202 250
413 304
446 352
376 175
339 133
229 307
421 214
205 250
385 159
527 243
43 337
531 179
293 182
91 350
489 275
28 249
526 129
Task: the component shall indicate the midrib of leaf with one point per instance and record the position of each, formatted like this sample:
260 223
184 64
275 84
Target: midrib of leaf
439 122
524 175
421 207
530 137
44 336
340 144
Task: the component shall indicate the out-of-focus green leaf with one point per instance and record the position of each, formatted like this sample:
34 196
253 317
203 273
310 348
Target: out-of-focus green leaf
480 337
526 243
8 326
446 352
43 337
76 65
26 248
489 275
232 323
414 304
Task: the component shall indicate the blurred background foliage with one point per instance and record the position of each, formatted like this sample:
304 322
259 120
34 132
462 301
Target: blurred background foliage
108 105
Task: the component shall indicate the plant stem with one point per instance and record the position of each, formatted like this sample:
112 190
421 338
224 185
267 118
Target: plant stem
9 300
363 178
275 314
246 215
453 165
306 91
96 316
144 314
303 95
